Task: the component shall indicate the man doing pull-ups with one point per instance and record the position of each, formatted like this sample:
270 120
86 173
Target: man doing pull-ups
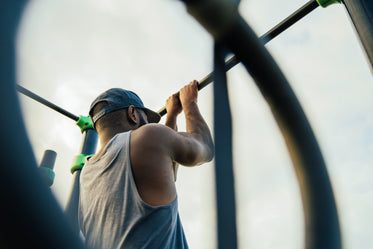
127 190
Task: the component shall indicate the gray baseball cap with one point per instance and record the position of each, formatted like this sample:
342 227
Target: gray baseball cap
118 98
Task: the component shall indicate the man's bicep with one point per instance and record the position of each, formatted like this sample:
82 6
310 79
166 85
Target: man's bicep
182 147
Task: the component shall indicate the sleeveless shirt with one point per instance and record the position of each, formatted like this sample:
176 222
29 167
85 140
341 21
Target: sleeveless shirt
112 214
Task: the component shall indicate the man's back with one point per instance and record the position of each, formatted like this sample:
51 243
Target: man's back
112 209
128 193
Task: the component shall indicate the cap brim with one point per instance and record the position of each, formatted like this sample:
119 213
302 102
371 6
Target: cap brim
153 117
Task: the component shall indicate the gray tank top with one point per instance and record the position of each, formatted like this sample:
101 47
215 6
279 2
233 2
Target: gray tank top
112 214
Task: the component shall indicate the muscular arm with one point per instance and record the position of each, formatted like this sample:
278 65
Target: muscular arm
154 143
196 127
155 147
195 146
173 107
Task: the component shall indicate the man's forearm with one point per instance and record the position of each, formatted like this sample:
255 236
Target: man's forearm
195 124
171 121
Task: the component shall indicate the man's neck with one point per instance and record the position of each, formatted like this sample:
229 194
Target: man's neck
105 137
108 134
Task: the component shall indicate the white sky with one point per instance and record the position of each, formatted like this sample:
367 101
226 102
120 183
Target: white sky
70 51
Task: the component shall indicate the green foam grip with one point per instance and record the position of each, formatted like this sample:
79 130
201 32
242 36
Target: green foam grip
84 123
326 3
47 174
78 162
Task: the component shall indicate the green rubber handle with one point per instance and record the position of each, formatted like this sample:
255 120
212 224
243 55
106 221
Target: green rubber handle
326 3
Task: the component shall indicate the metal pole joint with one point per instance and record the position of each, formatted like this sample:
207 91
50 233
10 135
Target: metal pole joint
84 123
326 3
78 162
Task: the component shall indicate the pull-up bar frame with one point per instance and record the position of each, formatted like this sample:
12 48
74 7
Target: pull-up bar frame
43 101
267 37
321 217
41 224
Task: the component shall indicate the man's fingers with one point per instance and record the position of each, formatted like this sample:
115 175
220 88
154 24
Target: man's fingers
174 96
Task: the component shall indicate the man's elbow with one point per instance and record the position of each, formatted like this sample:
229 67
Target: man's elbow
210 153
207 155
196 159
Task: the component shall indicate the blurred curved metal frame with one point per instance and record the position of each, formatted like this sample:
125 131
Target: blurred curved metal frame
321 216
30 214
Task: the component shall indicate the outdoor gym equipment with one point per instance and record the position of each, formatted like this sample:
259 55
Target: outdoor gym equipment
30 213
321 218
87 148
91 136
361 13
267 37
47 165
45 102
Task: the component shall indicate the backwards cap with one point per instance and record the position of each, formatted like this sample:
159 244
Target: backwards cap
118 98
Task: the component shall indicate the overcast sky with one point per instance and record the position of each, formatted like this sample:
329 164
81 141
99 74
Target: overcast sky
70 51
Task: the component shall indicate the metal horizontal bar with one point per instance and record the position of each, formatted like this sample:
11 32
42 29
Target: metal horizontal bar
267 37
45 102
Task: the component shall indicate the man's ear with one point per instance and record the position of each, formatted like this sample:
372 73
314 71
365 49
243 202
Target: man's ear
131 114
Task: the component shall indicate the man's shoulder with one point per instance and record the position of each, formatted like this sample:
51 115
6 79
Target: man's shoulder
153 133
152 130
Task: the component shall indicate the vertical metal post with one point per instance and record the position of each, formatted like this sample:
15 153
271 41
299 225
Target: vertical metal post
361 13
224 178
47 165
48 160
88 146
